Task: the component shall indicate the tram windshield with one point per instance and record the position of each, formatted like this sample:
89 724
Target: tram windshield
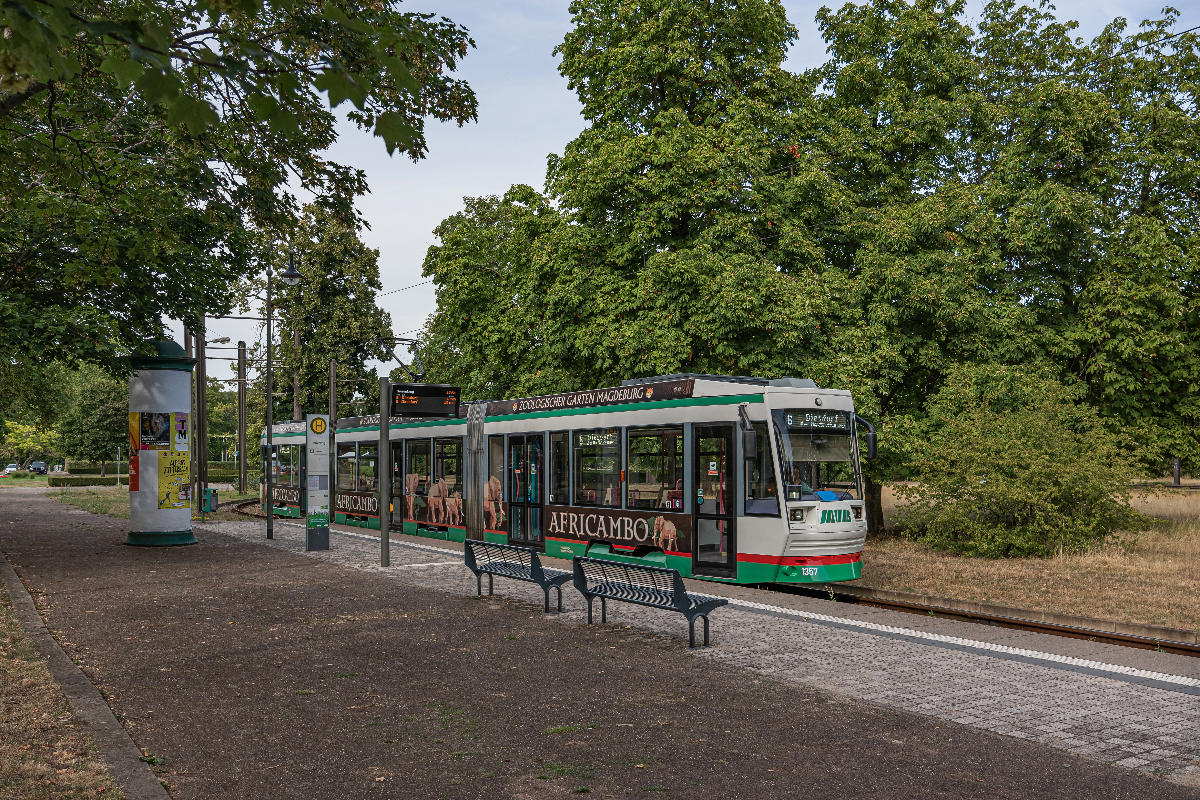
817 454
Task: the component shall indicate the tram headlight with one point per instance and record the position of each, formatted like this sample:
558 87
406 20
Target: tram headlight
797 515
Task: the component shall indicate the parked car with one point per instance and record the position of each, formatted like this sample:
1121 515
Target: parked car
10 468
38 466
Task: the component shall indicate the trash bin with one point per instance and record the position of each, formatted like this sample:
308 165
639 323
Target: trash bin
210 500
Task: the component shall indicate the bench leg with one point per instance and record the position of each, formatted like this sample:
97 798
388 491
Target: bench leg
479 583
546 589
705 630
589 599
490 584
691 632
603 611
559 588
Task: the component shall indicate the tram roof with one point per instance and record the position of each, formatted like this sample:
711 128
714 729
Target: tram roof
788 382
657 387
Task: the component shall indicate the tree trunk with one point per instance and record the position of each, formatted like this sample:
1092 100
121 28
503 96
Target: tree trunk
874 498
103 468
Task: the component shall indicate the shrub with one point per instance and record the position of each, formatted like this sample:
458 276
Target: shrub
1014 465
84 480
93 467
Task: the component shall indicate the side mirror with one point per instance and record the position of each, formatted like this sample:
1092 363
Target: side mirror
870 437
749 445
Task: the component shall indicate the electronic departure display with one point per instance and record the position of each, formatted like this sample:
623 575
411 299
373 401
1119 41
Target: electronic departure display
424 400
819 420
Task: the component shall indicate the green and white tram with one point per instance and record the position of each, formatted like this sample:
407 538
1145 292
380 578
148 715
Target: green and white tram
735 479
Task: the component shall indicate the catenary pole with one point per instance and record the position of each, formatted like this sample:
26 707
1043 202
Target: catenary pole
384 475
241 411
333 465
270 465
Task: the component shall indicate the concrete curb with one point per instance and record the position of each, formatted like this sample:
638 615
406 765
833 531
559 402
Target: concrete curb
1150 632
119 752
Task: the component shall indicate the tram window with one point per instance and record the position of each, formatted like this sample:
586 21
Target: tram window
445 493
368 460
345 465
761 494
560 468
598 467
397 463
493 494
416 480
655 468
288 466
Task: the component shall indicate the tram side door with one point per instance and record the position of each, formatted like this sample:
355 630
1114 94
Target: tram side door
525 471
714 538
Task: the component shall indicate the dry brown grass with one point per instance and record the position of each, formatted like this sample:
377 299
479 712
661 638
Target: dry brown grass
1153 578
43 752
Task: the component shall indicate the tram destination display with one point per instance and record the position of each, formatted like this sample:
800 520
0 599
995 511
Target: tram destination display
424 400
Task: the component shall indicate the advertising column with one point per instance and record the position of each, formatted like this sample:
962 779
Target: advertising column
316 484
160 440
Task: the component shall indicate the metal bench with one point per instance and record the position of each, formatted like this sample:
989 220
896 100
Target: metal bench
509 561
657 587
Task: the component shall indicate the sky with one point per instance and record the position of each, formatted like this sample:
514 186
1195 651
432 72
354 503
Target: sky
526 112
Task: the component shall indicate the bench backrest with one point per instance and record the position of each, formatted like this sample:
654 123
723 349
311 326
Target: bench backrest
590 572
479 554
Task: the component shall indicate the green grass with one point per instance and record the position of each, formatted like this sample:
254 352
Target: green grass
113 501
552 771
31 480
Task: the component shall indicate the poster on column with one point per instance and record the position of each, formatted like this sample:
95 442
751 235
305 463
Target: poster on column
179 423
174 479
155 430
135 424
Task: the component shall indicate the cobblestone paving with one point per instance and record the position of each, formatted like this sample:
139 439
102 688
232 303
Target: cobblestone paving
1114 719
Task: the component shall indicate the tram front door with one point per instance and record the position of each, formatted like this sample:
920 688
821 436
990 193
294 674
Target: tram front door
525 461
714 541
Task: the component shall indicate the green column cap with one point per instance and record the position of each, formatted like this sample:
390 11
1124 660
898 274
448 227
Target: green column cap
168 355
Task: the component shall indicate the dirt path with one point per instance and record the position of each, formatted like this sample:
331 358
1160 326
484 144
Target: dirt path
252 672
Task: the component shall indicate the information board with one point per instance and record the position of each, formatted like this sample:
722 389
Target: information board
424 400
316 485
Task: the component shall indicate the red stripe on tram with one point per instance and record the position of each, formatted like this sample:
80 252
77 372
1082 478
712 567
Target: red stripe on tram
791 561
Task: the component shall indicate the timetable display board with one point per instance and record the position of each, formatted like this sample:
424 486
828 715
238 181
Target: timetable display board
424 400
316 485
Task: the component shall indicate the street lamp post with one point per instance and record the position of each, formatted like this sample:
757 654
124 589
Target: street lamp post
291 277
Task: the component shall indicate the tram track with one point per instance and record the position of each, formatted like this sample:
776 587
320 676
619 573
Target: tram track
844 594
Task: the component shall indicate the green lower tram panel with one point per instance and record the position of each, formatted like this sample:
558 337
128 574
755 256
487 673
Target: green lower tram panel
749 571
286 511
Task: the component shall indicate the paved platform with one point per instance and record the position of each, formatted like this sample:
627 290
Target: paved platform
259 671
1130 708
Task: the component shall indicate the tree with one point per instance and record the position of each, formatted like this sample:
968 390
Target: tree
492 334
333 311
149 149
938 195
23 442
653 252
1014 465
96 420
221 404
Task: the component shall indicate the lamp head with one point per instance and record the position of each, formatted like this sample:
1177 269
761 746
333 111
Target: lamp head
291 276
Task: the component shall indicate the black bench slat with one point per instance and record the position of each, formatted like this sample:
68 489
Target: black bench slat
641 584
510 561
